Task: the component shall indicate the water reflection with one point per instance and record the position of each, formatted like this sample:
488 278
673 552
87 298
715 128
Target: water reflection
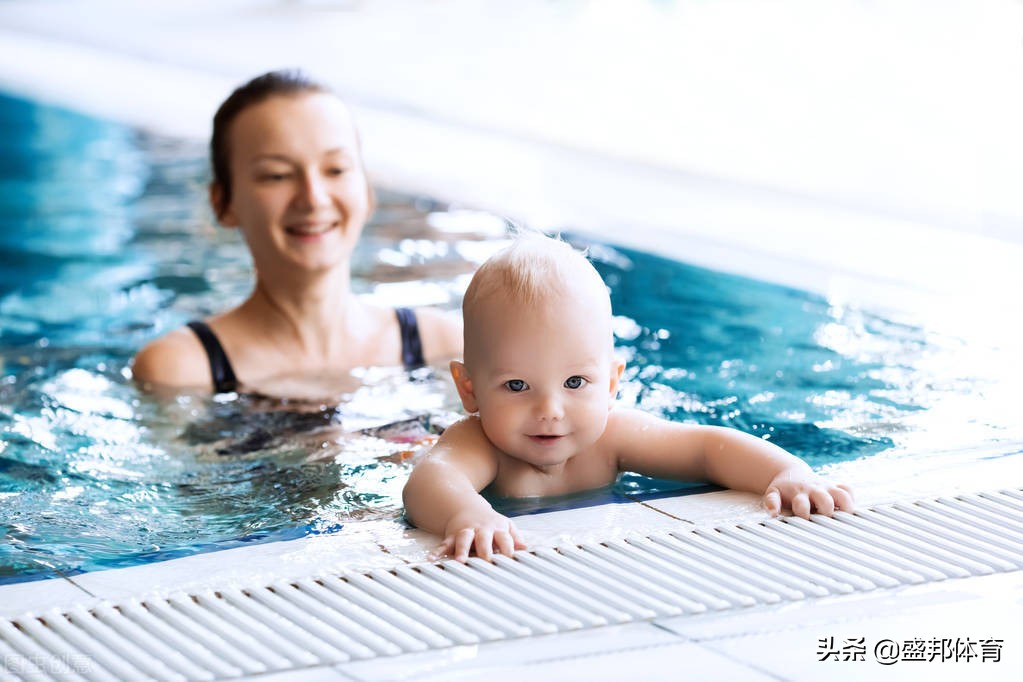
67 183
95 474
827 381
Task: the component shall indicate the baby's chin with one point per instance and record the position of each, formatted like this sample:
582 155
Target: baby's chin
544 453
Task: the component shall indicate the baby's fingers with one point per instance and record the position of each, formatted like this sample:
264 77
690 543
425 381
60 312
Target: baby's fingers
504 542
463 543
822 502
843 496
772 501
484 544
801 505
507 541
443 549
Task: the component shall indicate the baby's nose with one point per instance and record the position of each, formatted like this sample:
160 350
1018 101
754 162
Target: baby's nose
550 407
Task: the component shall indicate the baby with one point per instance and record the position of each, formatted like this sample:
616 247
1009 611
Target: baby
540 379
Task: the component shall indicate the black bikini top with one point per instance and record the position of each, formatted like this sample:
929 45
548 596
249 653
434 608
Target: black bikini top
225 381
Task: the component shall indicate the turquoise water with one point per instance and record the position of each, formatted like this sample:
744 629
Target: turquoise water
106 243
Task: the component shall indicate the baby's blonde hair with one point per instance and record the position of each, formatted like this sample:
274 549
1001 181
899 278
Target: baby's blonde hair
529 271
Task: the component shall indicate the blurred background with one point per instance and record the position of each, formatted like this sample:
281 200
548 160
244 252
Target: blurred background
854 137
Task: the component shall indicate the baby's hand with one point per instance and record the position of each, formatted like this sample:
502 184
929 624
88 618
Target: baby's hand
485 533
800 490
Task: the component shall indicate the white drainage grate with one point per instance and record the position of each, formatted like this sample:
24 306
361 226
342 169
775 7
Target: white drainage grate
235 631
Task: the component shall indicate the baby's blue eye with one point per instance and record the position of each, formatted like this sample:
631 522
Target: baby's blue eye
515 385
574 382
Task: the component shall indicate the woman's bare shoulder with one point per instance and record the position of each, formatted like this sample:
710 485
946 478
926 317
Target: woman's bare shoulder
176 359
441 332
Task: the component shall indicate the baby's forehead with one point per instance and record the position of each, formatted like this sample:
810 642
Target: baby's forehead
531 271
534 272
553 293
559 315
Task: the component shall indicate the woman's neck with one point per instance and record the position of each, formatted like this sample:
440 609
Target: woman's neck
310 317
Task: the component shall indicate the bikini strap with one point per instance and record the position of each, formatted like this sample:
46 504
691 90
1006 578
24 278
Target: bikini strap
224 380
411 344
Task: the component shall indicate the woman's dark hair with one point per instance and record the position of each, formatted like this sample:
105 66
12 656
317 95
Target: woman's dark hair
260 88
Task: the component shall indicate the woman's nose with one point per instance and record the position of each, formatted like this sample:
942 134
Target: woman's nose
314 190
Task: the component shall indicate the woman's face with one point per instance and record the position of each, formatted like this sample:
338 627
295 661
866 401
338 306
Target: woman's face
299 192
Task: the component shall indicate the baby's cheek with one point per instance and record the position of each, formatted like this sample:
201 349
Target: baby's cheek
496 427
597 420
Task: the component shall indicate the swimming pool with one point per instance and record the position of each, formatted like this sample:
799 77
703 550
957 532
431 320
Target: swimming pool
106 243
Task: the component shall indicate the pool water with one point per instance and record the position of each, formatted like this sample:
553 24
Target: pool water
106 243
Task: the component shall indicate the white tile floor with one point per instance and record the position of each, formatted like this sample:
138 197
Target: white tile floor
359 547
639 650
40 595
785 642
761 643
438 136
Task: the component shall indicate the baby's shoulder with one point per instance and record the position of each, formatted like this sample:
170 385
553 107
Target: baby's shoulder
629 427
464 444
627 419
467 431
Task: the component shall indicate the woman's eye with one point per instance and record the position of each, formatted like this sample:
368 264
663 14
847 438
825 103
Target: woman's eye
273 177
515 385
336 171
574 382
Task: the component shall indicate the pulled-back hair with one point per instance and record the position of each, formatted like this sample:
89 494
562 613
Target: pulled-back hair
257 90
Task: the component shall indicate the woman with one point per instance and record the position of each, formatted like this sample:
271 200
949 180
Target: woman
288 173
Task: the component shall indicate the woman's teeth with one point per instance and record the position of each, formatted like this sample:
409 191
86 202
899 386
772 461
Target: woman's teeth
309 230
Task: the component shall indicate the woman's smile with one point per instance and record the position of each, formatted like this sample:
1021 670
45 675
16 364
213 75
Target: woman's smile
310 230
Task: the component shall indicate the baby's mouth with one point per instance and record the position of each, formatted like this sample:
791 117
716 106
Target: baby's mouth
543 438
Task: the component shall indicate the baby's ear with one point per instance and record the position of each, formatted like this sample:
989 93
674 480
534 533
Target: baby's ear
464 385
617 367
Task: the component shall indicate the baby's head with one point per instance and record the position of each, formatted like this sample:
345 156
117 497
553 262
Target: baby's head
539 350
538 274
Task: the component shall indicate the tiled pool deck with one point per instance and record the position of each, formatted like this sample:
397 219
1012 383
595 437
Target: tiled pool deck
434 120
760 642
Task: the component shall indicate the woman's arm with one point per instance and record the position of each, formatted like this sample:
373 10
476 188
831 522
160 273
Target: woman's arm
728 457
442 495
441 333
176 360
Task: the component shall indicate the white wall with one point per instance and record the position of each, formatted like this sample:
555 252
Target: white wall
831 145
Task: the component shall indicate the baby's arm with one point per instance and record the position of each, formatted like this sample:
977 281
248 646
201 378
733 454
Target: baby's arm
728 457
442 495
